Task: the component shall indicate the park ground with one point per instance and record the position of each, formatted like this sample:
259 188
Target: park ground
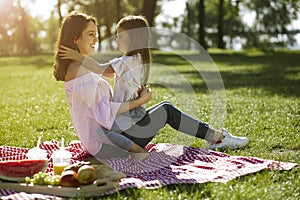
262 103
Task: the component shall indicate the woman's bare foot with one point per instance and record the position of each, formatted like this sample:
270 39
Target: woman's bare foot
138 152
140 156
137 149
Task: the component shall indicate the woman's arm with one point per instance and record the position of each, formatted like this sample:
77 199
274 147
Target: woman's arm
88 62
145 96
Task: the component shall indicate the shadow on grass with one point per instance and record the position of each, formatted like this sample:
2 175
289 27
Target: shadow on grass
274 73
38 61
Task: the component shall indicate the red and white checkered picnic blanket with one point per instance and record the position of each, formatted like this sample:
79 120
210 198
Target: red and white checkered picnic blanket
166 164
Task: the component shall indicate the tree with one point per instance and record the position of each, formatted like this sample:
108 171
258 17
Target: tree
235 27
272 21
19 30
51 26
189 22
211 22
201 21
20 33
108 23
7 22
60 17
118 8
149 10
220 42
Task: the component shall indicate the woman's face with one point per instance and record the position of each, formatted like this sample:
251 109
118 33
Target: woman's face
123 40
86 43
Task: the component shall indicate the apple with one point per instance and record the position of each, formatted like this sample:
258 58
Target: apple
75 167
86 174
68 179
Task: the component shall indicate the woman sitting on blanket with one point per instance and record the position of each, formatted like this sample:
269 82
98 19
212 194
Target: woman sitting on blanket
114 124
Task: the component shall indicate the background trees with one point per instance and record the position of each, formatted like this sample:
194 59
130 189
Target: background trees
224 24
272 22
213 23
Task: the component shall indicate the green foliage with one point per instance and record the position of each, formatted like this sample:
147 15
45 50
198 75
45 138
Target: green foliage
7 22
272 22
22 34
271 27
232 21
262 103
51 27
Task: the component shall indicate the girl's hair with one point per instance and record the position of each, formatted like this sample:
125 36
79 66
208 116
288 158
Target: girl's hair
71 29
139 33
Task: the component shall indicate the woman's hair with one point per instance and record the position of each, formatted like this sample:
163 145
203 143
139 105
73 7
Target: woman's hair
139 33
71 29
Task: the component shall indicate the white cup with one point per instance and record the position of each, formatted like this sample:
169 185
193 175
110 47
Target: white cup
36 153
61 159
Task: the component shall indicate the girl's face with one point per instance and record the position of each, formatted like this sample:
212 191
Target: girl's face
86 43
123 40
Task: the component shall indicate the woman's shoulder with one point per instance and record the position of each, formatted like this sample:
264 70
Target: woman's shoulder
75 70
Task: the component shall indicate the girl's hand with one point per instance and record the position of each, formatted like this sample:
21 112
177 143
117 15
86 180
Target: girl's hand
140 90
68 53
146 93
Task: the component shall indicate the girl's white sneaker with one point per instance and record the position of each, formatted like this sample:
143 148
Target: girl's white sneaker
230 142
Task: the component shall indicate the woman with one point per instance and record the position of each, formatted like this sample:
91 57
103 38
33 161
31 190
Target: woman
94 114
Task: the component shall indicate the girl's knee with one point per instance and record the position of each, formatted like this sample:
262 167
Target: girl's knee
166 103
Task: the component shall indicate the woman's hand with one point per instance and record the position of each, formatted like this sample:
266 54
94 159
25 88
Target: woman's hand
68 53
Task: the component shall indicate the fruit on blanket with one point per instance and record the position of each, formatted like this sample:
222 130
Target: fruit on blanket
43 179
86 174
68 179
81 173
18 170
75 167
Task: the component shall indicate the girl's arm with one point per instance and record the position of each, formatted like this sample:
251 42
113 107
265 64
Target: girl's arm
98 68
145 96
89 63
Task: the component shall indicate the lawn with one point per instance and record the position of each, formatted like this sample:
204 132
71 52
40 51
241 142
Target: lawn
262 103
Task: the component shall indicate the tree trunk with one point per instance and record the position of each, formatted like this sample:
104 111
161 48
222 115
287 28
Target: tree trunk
201 20
118 2
99 38
59 12
107 25
149 10
188 24
220 34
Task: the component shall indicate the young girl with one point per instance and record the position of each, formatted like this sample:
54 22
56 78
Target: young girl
132 71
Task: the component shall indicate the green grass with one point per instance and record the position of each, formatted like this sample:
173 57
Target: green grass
262 93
